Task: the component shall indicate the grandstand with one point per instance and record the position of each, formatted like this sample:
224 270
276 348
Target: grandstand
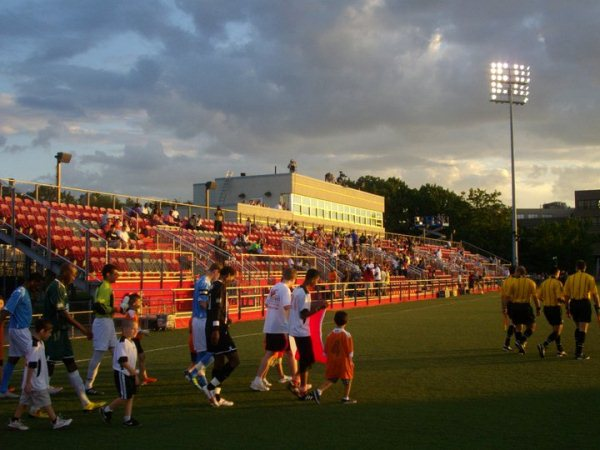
164 255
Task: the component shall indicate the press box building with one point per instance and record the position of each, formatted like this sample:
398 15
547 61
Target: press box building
294 197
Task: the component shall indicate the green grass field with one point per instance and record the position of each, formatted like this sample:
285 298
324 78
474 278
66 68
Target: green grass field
429 374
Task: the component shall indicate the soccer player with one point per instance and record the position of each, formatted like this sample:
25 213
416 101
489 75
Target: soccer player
550 293
103 327
506 309
59 348
20 310
339 348
276 327
35 385
521 293
219 341
579 287
302 308
126 378
202 358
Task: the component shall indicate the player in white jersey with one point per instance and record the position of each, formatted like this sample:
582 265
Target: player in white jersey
276 327
35 381
126 378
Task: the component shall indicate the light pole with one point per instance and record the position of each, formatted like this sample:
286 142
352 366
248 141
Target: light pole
61 157
509 83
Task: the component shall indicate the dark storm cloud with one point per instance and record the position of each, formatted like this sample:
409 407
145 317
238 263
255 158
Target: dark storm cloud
402 81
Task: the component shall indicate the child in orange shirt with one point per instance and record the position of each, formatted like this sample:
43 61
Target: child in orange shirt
339 348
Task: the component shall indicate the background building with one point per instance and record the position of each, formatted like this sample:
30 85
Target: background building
295 197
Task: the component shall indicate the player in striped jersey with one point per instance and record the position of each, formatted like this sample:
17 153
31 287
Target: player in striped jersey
579 288
550 293
506 309
521 293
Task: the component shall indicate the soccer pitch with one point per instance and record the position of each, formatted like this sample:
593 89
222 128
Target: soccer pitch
429 374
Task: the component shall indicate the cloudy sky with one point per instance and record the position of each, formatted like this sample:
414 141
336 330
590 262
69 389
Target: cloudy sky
153 95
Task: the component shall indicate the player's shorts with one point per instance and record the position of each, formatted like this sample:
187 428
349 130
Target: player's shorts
199 334
36 399
19 342
58 346
509 311
138 345
522 314
581 310
553 315
305 349
104 333
345 381
125 385
225 344
276 342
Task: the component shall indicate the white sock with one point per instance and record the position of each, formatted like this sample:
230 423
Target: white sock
257 379
93 368
126 418
215 382
77 383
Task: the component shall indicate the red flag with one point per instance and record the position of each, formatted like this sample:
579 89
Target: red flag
316 325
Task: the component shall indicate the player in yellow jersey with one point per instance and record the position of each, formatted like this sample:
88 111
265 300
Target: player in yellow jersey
550 294
507 309
579 288
522 291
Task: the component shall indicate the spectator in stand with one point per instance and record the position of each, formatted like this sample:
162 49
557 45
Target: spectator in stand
362 240
219 218
174 214
193 223
248 226
112 237
157 217
277 225
104 221
146 211
256 248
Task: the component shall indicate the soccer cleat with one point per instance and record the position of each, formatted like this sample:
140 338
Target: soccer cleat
541 350
266 382
92 391
93 405
212 397
187 376
61 423
223 402
348 401
131 423
520 346
8 395
54 390
37 413
149 380
582 357
561 353
106 415
17 425
315 396
285 379
507 348
258 385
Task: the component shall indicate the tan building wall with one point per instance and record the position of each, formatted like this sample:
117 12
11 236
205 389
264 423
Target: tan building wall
268 216
323 190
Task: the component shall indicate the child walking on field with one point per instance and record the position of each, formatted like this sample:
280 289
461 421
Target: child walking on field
339 348
126 379
35 381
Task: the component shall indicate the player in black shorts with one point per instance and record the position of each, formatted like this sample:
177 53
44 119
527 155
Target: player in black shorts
550 293
218 339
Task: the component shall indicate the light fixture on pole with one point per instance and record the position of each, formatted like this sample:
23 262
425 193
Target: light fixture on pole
61 157
509 83
208 186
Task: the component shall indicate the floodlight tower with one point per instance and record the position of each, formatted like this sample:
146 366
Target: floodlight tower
509 83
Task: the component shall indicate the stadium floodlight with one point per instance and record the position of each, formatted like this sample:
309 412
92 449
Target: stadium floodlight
509 83
61 157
